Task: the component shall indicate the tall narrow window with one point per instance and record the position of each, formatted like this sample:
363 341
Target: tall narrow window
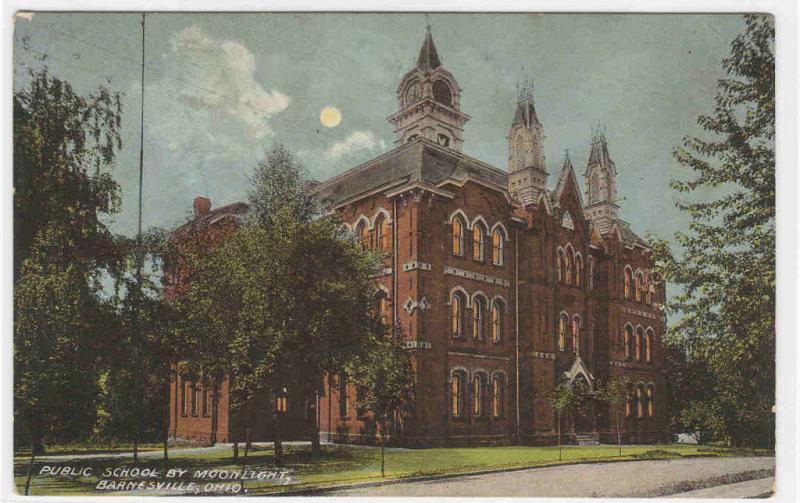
457 307
477 395
497 396
497 321
562 332
194 397
498 242
384 228
560 265
362 231
578 271
576 334
206 396
628 341
184 393
628 280
648 346
638 340
456 386
569 266
477 241
639 286
281 400
639 401
342 395
651 406
477 318
591 273
457 233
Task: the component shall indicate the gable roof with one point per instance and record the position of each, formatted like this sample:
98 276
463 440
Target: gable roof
567 172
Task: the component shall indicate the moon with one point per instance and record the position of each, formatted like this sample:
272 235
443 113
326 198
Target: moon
330 116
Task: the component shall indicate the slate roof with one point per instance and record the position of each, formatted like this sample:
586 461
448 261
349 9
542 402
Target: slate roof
628 236
419 161
525 114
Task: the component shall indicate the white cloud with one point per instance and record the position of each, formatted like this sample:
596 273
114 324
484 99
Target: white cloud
356 141
218 76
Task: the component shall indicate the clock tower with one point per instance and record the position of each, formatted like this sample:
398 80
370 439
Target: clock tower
428 102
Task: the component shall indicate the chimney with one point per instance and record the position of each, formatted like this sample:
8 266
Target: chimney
202 205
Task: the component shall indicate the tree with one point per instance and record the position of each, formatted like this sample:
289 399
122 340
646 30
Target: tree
726 267
386 376
564 398
64 146
616 393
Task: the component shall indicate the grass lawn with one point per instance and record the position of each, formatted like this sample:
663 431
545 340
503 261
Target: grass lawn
345 465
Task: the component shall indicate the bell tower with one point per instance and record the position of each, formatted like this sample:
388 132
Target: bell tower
527 174
601 185
429 102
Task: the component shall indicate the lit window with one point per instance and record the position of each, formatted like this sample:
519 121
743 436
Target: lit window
560 265
497 321
497 247
639 286
456 384
639 337
562 332
576 334
578 270
639 401
628 282
628 404
362 231
477 318
628 341
497 396
477 242
458 236
457 305
477 395
569 266
648 346
384 228
651 400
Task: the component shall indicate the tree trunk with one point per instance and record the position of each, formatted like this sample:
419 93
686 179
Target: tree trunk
383 450
135 447
276 416
165 419
235 448
316 450
619 436
247 443
214 413
30 466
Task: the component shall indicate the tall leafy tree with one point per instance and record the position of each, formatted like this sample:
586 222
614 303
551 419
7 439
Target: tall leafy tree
564 399
726 264
64 146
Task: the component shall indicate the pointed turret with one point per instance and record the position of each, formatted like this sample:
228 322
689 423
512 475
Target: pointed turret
527 173
601 186
428 57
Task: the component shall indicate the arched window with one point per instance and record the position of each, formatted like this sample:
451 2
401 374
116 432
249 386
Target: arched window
457 229
477 318
383 307
458 305
628 403
639 286
497 396
640 400
497 321
628 282
651 395
384 228
478 234
576 334
478 386
563 321
560 265
648 346
628 341
442 93
498 242
639 340
362 231
457 381
591 273
569 266
578 270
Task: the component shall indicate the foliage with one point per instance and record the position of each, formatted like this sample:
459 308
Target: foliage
727 264
615 393
703 420
564 398
386 376
64 146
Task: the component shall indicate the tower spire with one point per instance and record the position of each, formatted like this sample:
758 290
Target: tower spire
428 57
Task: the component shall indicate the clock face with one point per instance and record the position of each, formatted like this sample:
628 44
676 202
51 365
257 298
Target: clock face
413 93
